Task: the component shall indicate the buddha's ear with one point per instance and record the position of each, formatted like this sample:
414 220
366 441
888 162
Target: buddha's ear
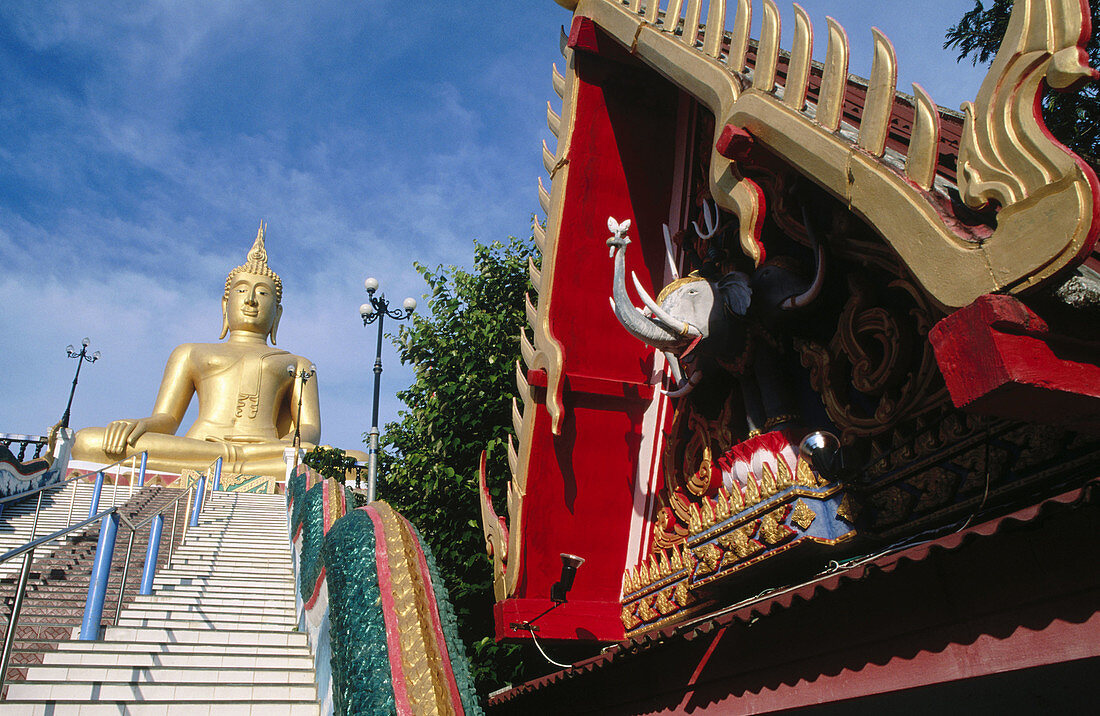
275 323
225 317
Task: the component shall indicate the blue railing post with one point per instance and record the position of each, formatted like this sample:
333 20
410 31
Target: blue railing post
101 571
150 569
200 490
94 507
217 474
141 472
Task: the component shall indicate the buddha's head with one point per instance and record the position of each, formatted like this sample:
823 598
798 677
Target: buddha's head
253 296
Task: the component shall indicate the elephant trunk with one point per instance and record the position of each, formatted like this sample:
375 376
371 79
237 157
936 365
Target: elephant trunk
650 331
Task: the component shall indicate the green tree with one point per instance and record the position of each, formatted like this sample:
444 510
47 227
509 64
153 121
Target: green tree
1072 117
329 461
464 352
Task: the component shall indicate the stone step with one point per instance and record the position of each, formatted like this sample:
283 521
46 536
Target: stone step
161 635
281 658
160 708
195 672
77 649
199 693
211 619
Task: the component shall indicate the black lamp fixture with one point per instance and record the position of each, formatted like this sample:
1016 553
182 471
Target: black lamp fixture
377 308
569 565
81 356
822 450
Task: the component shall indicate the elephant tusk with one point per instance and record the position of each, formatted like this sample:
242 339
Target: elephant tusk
669 254
674 367
684 328
803 299
686 387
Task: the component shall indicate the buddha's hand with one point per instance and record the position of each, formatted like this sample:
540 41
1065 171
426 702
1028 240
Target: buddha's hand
121 433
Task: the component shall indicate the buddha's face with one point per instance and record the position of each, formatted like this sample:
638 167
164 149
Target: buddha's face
250 306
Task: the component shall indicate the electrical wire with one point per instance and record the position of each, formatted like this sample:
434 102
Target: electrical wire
547 656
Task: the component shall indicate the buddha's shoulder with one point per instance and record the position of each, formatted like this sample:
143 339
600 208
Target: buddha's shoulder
193 351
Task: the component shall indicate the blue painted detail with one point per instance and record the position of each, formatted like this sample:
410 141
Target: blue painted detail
200 490
101 570
141 474
217 474
150 569
94 507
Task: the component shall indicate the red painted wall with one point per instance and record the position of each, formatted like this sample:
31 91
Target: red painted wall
580 484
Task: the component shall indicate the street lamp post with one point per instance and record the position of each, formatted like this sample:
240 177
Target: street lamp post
303 375
81 356
376 309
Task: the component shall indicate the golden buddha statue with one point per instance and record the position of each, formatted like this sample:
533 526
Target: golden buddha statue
248 391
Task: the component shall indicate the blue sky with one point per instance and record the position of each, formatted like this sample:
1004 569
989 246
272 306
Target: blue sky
142 142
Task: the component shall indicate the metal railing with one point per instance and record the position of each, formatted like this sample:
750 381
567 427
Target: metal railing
104 552
28 551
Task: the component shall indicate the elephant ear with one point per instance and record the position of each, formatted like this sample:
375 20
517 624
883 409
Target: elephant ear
736 292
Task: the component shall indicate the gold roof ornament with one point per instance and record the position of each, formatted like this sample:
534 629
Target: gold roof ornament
256 264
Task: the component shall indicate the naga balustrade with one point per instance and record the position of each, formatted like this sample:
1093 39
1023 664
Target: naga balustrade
39 442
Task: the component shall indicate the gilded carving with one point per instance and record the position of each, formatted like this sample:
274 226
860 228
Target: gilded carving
739 542
880 350
937 486
772 529
802 515
628 618
849 509
709 556
646 611
893 505
664 604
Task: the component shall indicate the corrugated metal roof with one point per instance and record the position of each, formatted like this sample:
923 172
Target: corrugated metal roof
763 606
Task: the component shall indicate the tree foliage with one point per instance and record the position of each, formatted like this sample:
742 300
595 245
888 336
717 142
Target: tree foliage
464 354
329 461
1072 117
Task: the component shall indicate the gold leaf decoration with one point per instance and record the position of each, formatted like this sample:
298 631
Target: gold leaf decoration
772 529
628 618
709 556
739 542
802 515
645 610
664 604
683 596
848 510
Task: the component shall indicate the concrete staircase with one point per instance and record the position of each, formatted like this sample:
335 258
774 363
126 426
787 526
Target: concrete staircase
17 518
217 637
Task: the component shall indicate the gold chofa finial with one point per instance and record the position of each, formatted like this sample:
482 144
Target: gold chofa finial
256 263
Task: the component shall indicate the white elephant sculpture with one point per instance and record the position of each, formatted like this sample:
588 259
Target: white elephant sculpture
696 321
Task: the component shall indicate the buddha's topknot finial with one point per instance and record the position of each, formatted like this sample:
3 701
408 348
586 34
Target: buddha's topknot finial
256 264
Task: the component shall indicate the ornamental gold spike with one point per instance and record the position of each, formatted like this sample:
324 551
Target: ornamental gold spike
521 380
558 81
739 40
880 96
526 350
539 235
517 414
709 517
920 164
722 510
715 29
767 53
553 120
548 159
798 72
677 559
529 308
535 274
752 490
691 22
834 77
783 477
737 498
672 15
767 481
544 198
513 458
